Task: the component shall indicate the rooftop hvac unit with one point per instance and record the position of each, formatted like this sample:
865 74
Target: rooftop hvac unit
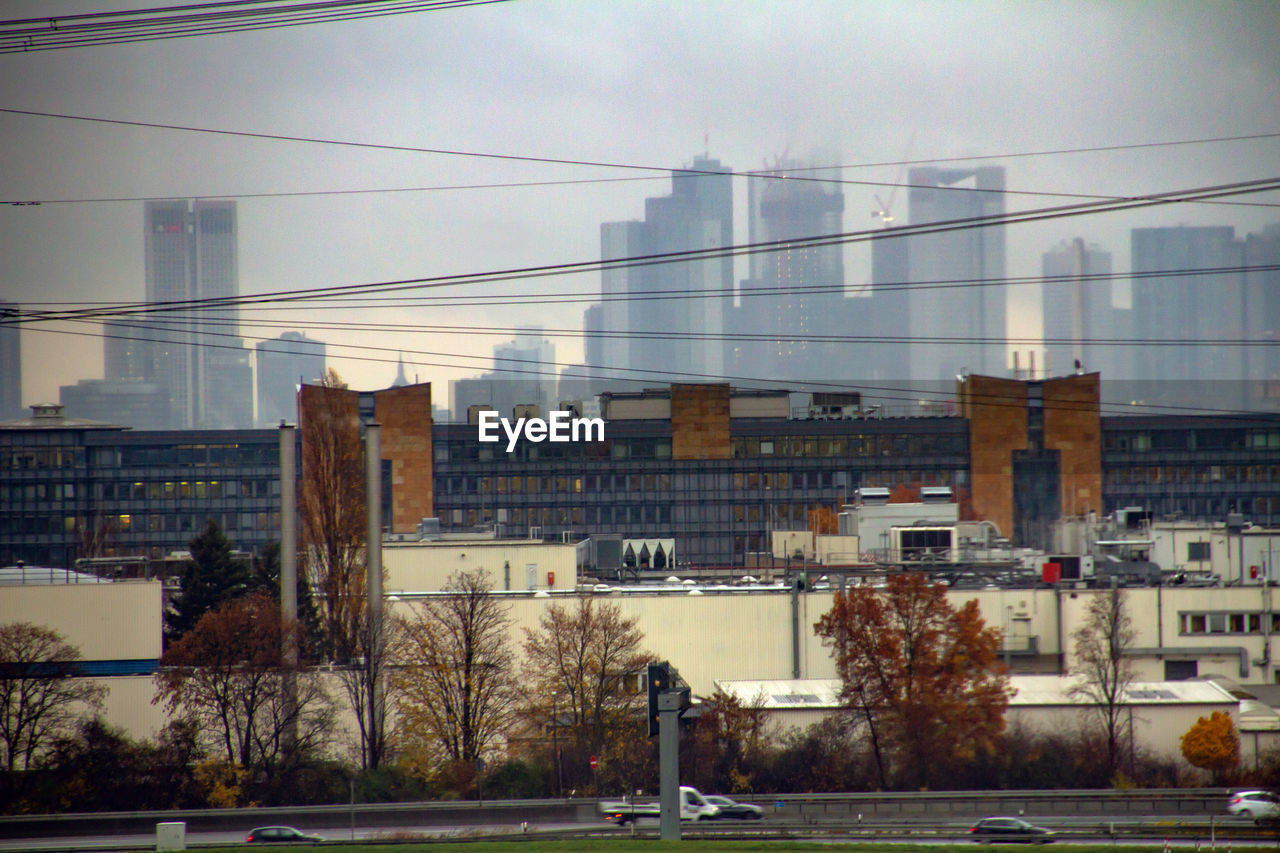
473 412
429 528
935 494
873 495
527 410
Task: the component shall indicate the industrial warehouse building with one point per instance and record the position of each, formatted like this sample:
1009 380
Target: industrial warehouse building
1178 650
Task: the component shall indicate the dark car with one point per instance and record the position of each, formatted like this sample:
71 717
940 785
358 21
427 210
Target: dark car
733 809
280 835
991 830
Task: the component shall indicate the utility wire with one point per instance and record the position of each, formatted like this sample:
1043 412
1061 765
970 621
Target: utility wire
344 303
533 272
99 29
535 367
662 171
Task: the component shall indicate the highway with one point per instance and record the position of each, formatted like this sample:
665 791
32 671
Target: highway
1124 817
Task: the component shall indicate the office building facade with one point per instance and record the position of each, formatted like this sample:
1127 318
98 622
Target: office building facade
716 470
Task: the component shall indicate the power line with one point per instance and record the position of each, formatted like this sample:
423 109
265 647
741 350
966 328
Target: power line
662 171
113 309
533 272
199 321
97 29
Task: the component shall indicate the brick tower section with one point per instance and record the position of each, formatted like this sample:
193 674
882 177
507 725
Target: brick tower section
405 415
1073 427
700 422
997 413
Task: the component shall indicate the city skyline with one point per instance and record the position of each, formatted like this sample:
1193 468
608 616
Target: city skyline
952 86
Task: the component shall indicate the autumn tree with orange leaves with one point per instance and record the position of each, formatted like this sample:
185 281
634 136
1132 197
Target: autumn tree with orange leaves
1212 744
922 677
824 521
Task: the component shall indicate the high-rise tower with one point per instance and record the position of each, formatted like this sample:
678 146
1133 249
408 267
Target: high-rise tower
1076 309
10 362
957 288
1198 293
284 363
197 354
802 284
697 215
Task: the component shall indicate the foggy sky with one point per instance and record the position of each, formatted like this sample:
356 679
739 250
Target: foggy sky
645 83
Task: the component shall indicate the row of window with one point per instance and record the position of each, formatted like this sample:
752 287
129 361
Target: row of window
847 446
663 483
187 455
31 458
1192 439
31 492
775 515
1228 623
181 489
1192 474
1258 510
742 447
184 523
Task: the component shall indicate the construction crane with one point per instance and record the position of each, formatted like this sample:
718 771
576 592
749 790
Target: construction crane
884 210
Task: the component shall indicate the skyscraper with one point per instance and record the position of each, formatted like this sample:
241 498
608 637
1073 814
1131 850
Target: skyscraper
697 215
1262 317
802 284
284 363
10 362
1076 309
197 354
524 374
957 291
1197 293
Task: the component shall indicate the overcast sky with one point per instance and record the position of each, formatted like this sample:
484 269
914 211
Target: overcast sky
644 83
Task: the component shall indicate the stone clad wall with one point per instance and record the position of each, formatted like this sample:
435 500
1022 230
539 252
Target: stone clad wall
1073 427
405 415
700 422
997 413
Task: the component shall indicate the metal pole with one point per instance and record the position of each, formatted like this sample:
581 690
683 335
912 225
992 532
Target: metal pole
289 580
373 576
555 742
669 765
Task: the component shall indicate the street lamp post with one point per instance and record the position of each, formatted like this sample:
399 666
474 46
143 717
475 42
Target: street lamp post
555 742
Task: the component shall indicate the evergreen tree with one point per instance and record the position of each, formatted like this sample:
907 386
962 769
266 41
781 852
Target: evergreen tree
211 577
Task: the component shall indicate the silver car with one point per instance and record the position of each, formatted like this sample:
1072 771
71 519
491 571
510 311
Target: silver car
1258 805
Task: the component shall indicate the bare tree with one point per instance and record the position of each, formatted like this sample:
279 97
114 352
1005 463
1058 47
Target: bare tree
333 512
1102 643
580 673
40 695
334 556
455 673
228 675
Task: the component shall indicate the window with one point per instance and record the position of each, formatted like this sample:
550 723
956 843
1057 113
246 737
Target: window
1197 552
1180 670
